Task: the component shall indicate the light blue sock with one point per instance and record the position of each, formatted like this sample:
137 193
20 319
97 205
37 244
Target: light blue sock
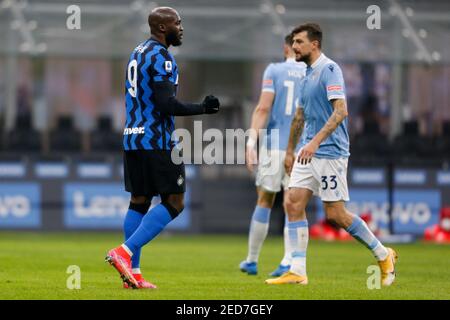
259 228
151 225
298 237
131 223
361 232
287 258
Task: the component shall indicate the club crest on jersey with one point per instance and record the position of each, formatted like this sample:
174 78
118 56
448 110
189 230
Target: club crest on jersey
168 66
141 48
180 180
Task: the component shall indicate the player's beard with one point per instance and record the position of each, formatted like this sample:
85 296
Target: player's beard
173 39
306 58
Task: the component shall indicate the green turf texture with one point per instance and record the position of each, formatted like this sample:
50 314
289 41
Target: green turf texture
33 266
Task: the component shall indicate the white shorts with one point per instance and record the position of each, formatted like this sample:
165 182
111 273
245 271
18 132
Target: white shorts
271 175
326 178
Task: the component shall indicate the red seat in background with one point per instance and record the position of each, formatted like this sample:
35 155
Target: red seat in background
440 232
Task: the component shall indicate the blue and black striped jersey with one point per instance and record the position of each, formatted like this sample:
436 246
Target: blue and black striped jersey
146 128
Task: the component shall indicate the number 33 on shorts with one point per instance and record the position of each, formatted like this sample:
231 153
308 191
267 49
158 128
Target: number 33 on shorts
326 178
332 180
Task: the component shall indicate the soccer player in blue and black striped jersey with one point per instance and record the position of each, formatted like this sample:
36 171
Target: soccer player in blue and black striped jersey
151 105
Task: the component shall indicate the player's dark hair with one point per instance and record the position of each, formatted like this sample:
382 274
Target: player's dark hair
288 39
313 31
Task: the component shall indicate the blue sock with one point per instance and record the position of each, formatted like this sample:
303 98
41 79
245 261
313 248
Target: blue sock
151 225
131 223
361 232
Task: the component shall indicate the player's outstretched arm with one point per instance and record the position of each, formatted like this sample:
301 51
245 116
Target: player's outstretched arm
166 103
339 114
297 125
259 120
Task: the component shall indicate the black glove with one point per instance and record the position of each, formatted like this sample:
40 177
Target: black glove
210 104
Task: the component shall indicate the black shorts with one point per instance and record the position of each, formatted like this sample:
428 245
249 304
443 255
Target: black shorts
152 172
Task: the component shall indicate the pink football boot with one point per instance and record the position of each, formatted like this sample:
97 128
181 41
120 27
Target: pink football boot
142 283
121 261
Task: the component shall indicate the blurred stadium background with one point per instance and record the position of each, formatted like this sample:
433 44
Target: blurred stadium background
62 107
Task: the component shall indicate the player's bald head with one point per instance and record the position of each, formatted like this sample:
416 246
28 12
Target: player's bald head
161 16
165 26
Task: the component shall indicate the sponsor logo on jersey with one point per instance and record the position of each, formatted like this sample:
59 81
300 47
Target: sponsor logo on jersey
267 82
334 88
135 130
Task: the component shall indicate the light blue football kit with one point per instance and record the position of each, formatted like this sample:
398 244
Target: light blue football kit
283 79
323 82
326 174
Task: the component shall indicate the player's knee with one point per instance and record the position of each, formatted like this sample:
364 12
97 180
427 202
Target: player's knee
333 214
264 203
179 206
175 205
287 202
292 206
140 199
294 210
139 207
288 205
266 199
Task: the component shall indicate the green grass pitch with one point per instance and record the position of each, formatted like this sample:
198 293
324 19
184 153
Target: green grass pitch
33 266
